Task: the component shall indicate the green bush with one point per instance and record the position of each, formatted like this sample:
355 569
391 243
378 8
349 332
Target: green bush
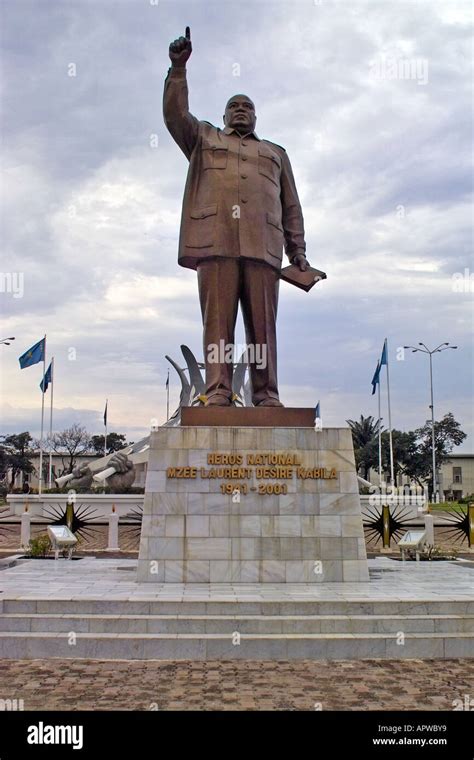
39 546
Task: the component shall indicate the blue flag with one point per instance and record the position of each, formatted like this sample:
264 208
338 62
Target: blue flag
34 355
317 412
48 376
105 413
384 358
376 378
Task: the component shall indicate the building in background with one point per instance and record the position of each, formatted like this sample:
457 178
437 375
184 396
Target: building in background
457 477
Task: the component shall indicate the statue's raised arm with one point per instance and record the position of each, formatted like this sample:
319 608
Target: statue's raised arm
182 125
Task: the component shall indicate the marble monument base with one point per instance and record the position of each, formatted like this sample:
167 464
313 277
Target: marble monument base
251 505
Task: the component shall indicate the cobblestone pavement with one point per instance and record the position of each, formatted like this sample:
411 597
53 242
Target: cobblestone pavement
245 685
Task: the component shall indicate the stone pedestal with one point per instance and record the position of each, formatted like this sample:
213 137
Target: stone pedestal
25 530
113 541
297 524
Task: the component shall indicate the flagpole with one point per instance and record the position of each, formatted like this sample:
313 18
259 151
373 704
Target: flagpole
380 436
105 423
392 479
50 479
168 397
40 480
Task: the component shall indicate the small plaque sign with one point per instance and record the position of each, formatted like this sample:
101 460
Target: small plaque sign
61 535
412 538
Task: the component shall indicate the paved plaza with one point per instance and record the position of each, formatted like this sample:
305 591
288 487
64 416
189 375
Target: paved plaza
303 685
306 684
95 579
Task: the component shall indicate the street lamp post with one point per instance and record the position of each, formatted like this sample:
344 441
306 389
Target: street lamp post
5 341
426 350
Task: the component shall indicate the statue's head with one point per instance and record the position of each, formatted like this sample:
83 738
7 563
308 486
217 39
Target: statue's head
240 114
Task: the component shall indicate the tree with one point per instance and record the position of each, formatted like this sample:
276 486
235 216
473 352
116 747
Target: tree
448 434
115 442
412 451
365 438
3 462
71 443
15 455
405 450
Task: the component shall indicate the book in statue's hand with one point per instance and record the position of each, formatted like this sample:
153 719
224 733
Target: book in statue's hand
304 280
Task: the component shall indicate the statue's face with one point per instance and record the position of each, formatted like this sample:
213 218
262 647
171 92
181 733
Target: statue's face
240 114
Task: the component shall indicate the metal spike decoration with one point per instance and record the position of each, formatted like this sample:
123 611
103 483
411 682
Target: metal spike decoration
82 524
458 530
373 524
8 526
132 522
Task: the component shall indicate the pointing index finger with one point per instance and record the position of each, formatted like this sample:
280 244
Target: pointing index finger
187 33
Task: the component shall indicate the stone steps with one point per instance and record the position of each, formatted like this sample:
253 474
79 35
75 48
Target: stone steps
225 606
215 646
228 624
172 629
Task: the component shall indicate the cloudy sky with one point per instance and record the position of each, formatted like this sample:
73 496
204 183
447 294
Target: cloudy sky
372 101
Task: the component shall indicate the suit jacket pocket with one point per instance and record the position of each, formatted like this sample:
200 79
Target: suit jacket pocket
214 157
274 236
269 164
200 229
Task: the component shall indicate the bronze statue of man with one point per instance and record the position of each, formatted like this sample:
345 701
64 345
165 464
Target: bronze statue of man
240 209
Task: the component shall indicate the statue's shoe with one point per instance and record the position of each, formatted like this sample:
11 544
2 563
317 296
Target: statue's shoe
270 402
217 400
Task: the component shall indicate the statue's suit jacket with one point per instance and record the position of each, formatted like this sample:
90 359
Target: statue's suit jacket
240 198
